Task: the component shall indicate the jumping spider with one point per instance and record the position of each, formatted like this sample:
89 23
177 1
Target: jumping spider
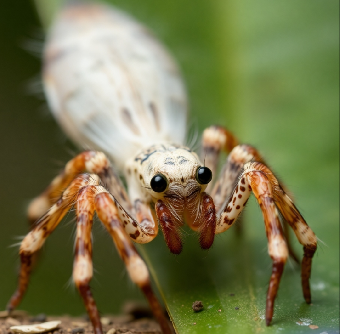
114 89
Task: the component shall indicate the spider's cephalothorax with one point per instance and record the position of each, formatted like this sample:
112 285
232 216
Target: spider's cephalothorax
173 179
113 88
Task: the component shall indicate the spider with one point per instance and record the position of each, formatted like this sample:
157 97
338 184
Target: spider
115 90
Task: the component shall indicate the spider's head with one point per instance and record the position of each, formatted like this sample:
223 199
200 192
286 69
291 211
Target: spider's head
175 179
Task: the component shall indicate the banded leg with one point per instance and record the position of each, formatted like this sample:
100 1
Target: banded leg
258 178
84 191
35 239
303 232
91 162
107 211
142 230
216 139
82 266
238 157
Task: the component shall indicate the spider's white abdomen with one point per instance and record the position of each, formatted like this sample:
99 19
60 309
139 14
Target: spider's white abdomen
110 84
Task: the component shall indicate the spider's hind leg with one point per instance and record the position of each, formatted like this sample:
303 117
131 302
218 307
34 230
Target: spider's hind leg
92 162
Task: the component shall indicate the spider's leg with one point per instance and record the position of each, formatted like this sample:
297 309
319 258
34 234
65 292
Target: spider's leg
216 139
258 183
258 178
301 229
82 266
42 229
108 212
238 157
92 162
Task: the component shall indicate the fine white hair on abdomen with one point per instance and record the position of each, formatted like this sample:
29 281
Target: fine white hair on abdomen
110 84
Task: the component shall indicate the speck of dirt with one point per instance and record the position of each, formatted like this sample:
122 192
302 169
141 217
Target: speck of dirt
197 306
231 294
237 308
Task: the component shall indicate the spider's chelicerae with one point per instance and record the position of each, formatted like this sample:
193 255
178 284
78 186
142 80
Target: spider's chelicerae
114 89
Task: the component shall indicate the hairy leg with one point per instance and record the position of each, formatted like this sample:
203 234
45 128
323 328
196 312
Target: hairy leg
108 213
82 266
42 229
228 178
90 162
258 178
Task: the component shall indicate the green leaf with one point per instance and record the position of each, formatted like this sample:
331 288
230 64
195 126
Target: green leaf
268 71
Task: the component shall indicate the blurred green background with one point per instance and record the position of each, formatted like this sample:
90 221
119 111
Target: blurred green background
269 72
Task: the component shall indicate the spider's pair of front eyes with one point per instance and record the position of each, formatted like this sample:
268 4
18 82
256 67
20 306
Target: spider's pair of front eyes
159 182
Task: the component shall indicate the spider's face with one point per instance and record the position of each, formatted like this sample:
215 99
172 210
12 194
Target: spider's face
175 179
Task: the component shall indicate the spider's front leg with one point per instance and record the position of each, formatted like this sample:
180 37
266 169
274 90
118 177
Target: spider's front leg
83 192
35 239
217 139
256 177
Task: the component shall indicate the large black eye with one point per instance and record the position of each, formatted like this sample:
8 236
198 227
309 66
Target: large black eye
203 175
158 183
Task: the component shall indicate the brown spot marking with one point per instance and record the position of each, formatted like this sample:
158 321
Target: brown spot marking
229 209
140 177
182 179
244 204
239 196
228 221
128 120
243 181
236 189
234 199
135 235
134 223
249 187
125 222
237 207
242 188
155 115
135 170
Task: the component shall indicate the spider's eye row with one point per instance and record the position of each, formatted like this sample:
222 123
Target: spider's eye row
203 175
158 183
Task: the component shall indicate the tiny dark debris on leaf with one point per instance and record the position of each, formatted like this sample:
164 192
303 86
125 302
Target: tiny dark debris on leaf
39 318
237 308
231 294
197 306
